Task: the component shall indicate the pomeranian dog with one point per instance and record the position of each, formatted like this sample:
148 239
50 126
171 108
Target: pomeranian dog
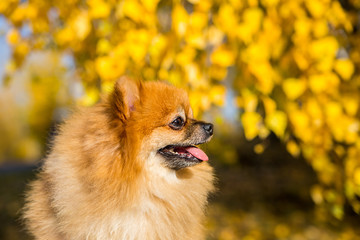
126 168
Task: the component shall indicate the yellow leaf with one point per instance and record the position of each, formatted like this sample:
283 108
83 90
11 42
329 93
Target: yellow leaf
99 9
217 95
270 3
345 68
340 150
180 19
324 48
149 73
19 14
338 211
223 56
39 25
320 162
90 98
103 46
243 32
259 148
309 151
4 6
174 77
351 104
265 76
263 132
333 111
253 3
137 44
301 59
303 26
64 36
157 47
323 82
317 194
186 56
250 26
120 51
251 122
277 122
273 35
253 18
236 4
133 10
293 148
357 176
294 87
199 101
249 100
202 5
317 8
13 37
196 39
150 5
300 124
22 49
269 105
198 20
163 74
315 111
226 19
351 130
109 68
317 83
32 11
256 52
193 74
107 86
81 25
320 28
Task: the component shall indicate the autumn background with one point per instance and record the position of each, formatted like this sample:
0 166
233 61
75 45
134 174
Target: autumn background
279 78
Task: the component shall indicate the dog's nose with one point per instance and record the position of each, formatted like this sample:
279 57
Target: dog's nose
209 128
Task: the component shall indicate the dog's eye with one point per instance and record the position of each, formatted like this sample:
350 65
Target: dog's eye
177 124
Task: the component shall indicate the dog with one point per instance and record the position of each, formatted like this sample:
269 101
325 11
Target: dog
126 168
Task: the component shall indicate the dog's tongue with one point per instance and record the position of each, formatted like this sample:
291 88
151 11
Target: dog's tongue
198 153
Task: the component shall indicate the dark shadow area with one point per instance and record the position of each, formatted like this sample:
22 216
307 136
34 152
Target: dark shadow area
13 181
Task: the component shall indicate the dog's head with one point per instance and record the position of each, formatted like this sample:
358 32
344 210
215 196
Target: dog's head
159 117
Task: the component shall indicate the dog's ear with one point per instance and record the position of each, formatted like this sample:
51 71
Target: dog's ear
124 97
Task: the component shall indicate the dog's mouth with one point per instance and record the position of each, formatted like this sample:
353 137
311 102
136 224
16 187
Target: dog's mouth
182 156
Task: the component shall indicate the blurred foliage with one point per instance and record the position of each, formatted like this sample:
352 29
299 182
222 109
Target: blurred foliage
29 105
293 66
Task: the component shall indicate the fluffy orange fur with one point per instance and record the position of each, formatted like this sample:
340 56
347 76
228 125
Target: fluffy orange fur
103 178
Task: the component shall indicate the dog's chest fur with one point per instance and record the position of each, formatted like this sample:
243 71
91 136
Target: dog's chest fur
170 205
